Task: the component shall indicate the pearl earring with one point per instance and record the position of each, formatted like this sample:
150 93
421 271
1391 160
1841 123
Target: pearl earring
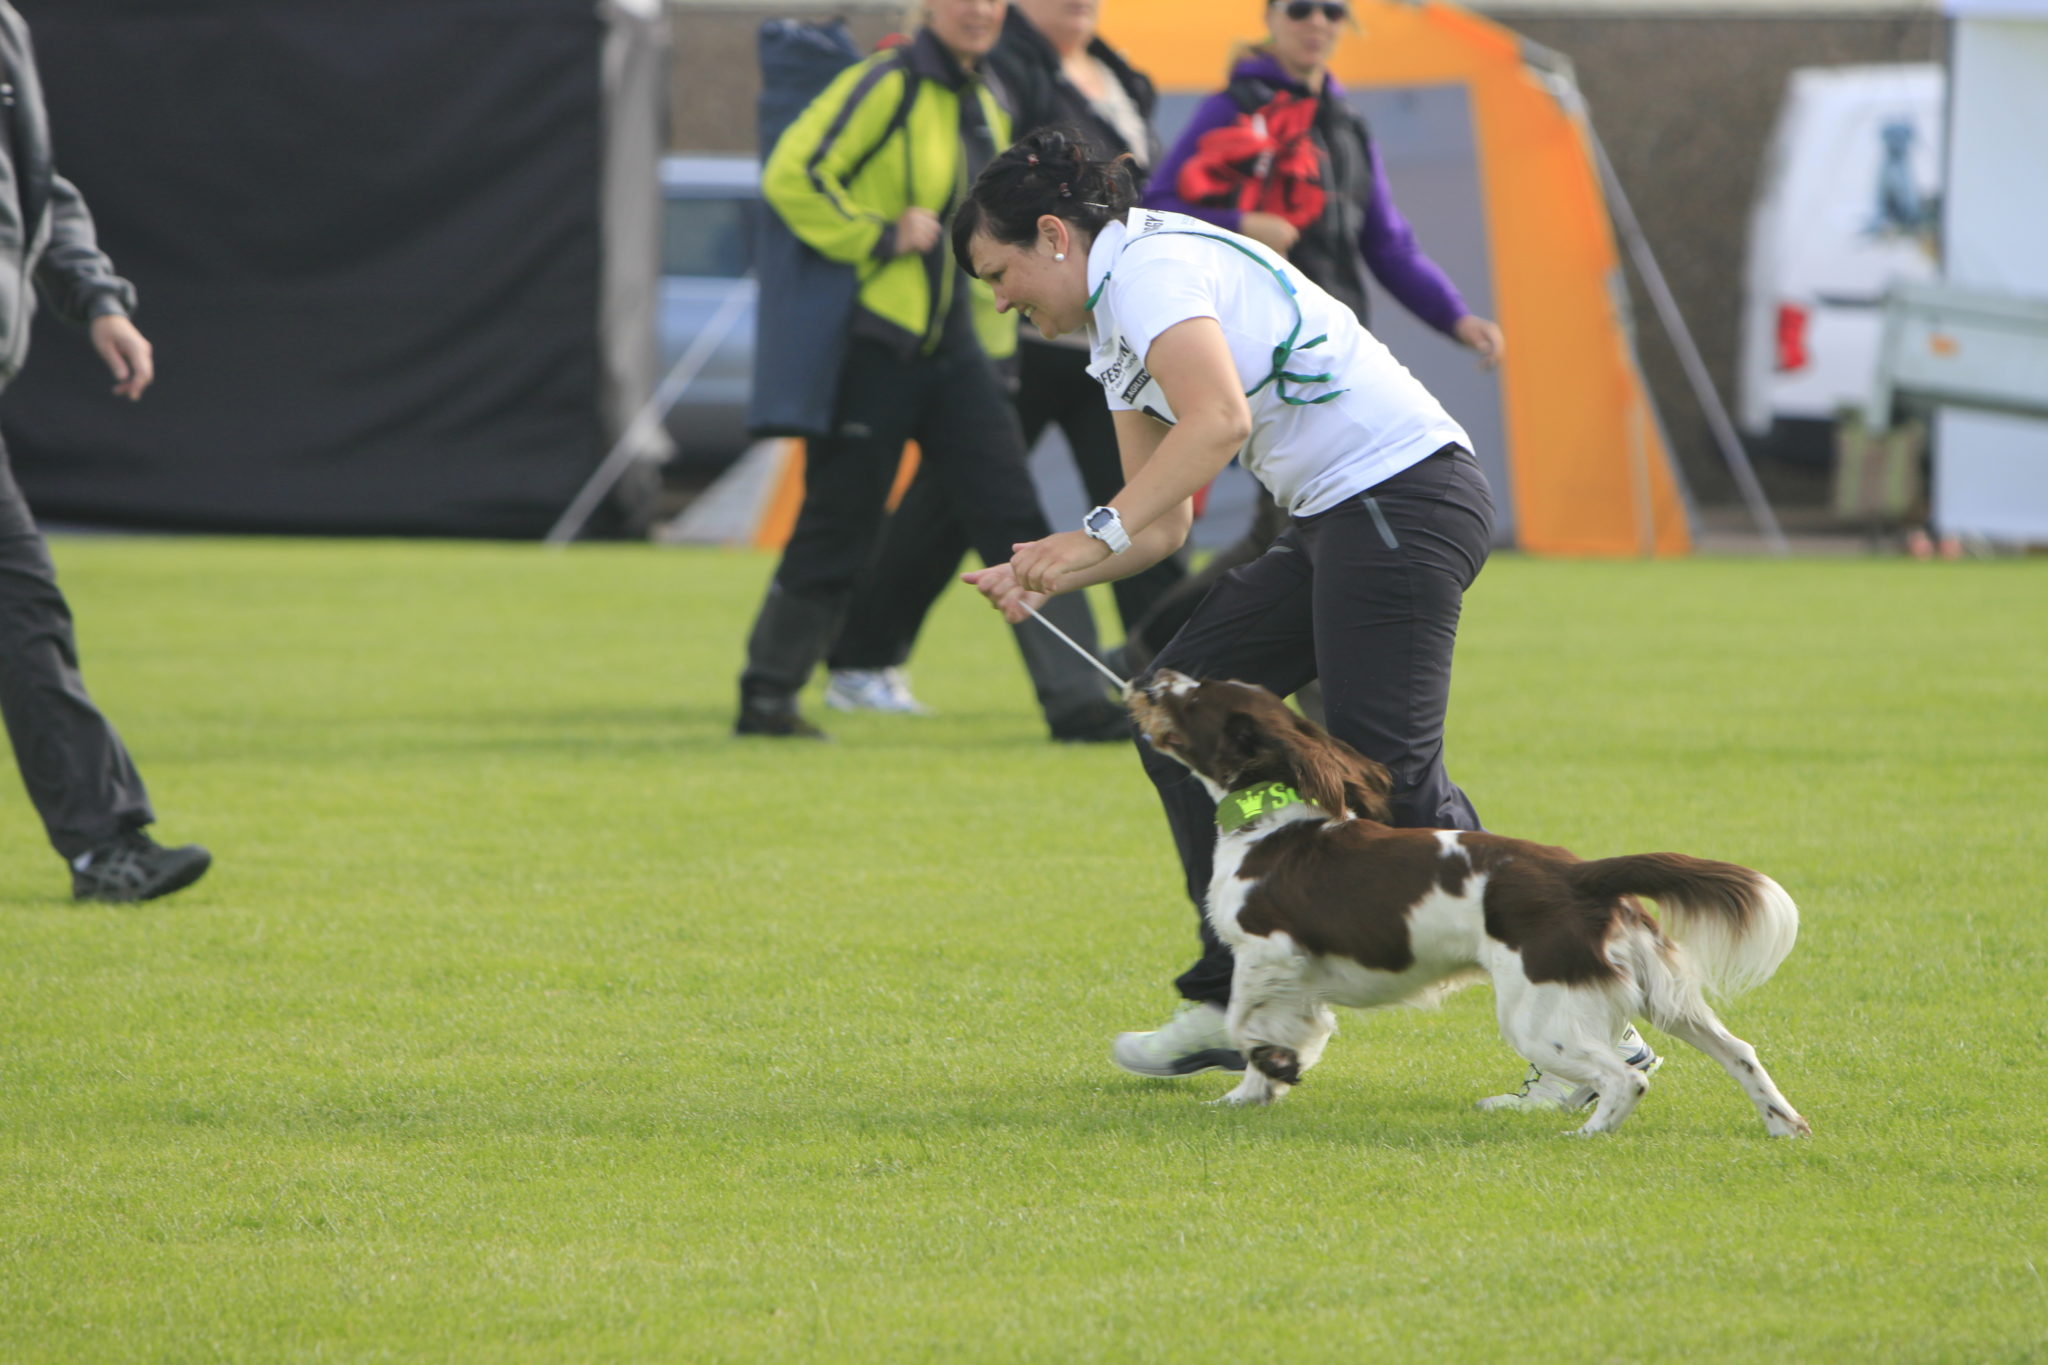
1059 255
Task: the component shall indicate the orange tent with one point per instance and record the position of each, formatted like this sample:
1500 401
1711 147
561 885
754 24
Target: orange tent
1589 471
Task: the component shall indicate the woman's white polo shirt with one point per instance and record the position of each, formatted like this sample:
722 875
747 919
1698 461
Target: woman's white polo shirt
1360 419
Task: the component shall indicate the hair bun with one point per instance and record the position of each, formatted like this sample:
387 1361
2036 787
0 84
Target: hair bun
1050 144
1049 170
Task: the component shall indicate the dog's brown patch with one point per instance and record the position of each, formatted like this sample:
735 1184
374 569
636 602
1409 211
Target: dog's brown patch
1348 889
1533 907
1344 889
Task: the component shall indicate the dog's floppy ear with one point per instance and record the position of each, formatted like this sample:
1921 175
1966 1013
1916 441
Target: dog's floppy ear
1336 776
1242 743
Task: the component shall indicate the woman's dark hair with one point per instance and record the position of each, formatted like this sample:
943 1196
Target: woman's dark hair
1049 171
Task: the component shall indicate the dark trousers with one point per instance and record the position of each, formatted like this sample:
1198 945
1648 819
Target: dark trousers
926 539
1365 597
954 406
73 764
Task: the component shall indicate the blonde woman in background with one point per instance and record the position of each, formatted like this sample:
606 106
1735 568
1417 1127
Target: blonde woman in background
866 175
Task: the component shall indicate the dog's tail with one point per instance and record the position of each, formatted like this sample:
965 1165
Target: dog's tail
1735 925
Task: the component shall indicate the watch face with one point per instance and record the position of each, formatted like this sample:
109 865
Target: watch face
1100 519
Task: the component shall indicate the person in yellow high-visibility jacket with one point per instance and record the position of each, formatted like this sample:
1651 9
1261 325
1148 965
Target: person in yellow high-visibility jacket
867 176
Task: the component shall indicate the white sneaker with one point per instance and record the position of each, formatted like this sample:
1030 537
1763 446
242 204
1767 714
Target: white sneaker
873 689
1555 1092
1193 1040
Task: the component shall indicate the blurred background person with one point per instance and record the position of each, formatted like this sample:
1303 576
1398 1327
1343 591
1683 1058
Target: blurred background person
77 771
1281 138
1055 72
864 176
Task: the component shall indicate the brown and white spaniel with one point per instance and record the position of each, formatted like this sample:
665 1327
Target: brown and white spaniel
1323 903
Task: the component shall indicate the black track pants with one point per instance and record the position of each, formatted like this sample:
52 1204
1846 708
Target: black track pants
1365 597
954 406
77 773
922 548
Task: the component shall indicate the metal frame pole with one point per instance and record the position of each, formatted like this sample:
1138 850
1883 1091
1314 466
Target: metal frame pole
688 365
1695 368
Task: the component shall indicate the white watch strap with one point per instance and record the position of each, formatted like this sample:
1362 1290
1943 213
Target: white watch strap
1105 525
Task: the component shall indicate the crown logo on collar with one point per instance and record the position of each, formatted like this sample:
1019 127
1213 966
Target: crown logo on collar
1239 808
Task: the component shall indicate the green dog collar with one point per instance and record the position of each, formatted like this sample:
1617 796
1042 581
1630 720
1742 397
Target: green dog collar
1240 808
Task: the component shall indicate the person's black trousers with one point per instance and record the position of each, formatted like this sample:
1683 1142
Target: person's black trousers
953 404
923 546
1365 597
77 773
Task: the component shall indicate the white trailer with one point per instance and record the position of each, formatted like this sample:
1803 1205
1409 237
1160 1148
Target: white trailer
1848 204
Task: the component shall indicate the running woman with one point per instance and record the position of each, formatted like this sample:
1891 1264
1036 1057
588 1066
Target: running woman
1209 346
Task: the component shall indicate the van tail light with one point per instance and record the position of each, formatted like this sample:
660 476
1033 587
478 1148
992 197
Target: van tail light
1792 321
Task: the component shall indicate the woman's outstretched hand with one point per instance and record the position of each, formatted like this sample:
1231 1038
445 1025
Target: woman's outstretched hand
998 583
1045 565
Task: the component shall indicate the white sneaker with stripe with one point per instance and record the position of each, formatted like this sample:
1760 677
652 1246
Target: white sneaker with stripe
873 689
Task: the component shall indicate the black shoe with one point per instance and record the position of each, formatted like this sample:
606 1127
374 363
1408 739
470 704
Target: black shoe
1096 722
135 867
775 722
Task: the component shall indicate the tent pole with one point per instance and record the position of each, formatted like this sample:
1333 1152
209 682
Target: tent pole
1688 353
1639 475
625 450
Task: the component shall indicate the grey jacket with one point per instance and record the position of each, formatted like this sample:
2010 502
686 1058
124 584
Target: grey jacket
47 245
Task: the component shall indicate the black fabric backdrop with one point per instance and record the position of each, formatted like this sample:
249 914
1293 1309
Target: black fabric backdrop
366 238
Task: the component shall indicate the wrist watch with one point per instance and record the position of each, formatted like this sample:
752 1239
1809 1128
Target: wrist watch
1106 526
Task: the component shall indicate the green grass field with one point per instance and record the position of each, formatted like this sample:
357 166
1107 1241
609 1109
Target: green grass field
527 1016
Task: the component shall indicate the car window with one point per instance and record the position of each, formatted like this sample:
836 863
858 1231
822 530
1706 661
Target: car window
712 237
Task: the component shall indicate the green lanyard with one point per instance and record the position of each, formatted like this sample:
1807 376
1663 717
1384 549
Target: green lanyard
1279 376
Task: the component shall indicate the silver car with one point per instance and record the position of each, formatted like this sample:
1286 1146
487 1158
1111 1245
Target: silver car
710 210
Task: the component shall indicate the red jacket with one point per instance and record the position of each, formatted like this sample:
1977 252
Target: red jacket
1262 163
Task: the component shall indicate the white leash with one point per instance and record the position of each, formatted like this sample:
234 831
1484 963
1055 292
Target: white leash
1122 687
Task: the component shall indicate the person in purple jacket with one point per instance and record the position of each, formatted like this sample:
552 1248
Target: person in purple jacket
1359 229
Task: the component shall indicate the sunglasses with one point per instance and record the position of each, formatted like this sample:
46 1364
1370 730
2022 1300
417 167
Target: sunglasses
1302 9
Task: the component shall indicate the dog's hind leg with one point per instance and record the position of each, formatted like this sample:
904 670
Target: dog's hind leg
1739 1060
1582 1030
1620 1087
1569 1031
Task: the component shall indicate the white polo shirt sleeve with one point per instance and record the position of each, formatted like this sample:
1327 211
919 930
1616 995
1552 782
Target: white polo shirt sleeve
1145 291
1157 295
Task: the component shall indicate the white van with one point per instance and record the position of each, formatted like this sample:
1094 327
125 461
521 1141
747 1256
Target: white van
1848 201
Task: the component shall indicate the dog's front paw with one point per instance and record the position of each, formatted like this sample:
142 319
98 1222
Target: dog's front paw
1247 1093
